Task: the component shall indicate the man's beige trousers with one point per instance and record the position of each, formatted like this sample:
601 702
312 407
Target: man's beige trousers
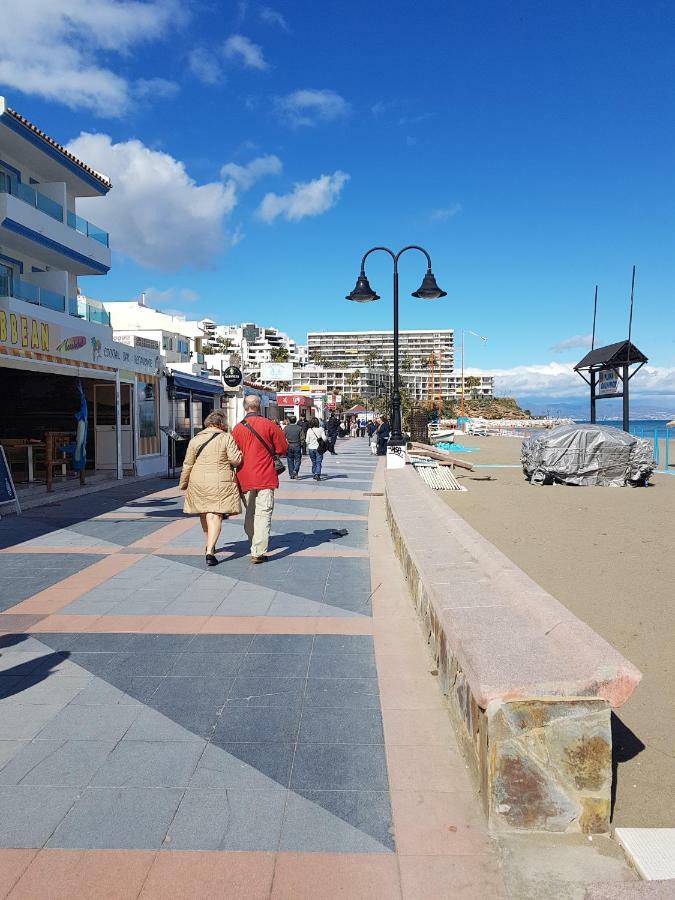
258 522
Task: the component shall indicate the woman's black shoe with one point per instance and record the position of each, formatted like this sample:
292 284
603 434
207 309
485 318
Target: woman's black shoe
211 559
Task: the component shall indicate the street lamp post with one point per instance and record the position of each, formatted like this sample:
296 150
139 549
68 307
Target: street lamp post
363 293
484 339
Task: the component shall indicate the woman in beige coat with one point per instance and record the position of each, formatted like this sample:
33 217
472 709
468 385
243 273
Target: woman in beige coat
208 479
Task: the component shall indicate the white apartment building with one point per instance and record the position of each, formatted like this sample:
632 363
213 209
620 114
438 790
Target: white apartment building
365 382
177 339
256 344
59 362
426 358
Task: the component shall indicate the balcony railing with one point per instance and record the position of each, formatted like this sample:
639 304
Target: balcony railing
9 185
24 290
88 311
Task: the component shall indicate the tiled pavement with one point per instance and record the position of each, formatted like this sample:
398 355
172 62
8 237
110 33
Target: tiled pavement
245 731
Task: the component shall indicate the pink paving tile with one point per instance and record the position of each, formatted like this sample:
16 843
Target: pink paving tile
404 691
175 624
190 875
121 624
84 875
452 878
64 624
13 863
431 823
423 768
418 728
332 550
165 534
336 876
231 625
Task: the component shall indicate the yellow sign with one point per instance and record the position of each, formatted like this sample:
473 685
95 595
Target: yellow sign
24 332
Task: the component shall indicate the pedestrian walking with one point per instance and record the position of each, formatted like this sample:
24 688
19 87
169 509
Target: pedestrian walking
383 432
354 429
261 443
317 444
209 481
332 431
371 427
293 434
303 439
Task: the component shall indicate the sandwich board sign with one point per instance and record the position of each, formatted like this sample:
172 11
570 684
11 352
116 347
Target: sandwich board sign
7 489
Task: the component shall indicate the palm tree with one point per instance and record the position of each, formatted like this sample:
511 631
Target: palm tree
279 354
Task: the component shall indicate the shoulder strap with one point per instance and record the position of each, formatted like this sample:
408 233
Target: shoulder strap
262 440
197 454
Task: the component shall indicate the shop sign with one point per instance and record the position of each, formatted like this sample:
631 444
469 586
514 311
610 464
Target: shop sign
609 383
232 376
21 330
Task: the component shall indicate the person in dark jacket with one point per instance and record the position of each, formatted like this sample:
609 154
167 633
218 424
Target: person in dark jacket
332 431
383 432
293 434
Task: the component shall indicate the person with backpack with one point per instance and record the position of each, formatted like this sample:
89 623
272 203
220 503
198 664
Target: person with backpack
293 433
317 444
261 443
209 480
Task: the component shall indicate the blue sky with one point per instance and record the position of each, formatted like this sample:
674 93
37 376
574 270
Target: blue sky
528 146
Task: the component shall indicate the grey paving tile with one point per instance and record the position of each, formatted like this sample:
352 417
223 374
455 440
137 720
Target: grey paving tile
192 690
150 663
339 613
288 605
152 725
97 643
158 643
342 693
243 766
30 814
289 665
149 764
342 643
184 606
138 687
258 724
213 664
140 606
257 690
97 662
9 749
88 723
118 818
21 722
51 690
99 693
199 719
219 643
9 685
282 643
57 763
22 662
341 726
25 574
337 822
339 767
254 605
216 819
342 665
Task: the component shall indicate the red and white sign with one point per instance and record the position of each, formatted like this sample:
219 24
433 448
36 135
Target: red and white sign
294 400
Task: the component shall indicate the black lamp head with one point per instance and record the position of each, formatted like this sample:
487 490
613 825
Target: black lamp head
362 293
429 290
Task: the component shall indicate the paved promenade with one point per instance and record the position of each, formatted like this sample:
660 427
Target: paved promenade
168 730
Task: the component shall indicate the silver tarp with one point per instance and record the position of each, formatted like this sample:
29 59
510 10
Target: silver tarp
587 455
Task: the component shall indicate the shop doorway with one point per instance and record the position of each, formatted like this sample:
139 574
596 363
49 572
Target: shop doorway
105 426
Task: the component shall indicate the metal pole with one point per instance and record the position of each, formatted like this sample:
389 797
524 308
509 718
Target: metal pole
626 416
595 311
462 385
593 376
396 435
630 318
118 426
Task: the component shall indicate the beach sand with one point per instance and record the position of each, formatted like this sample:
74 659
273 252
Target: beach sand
608 554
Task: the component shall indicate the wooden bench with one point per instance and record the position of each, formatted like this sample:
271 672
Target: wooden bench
530 686
58 447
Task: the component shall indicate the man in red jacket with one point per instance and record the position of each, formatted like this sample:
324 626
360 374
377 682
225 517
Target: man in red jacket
258 439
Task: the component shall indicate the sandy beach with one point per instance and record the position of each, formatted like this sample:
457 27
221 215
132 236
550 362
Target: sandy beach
607 554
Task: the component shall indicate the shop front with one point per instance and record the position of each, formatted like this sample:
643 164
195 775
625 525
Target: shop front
302 406
191 399
65 382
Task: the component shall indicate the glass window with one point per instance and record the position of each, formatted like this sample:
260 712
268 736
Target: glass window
148 416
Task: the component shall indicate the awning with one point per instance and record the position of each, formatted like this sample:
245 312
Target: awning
183 382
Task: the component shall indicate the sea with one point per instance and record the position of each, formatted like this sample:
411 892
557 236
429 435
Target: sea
638 427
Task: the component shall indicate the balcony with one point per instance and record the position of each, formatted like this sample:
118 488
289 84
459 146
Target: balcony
53 209
30 293
88 310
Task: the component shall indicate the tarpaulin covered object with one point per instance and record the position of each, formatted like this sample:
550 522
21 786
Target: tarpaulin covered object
587 455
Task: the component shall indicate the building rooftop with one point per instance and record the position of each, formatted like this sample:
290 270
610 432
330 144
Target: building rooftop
21 124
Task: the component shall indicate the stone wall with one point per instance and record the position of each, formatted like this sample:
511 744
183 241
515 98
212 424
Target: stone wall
539 741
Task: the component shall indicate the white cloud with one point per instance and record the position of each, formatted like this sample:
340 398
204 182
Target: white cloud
556 379
309 106
156 298
156 214
578 342
205 66
446 212
273 17
149 88
246 176
240 49
310 198
55 50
